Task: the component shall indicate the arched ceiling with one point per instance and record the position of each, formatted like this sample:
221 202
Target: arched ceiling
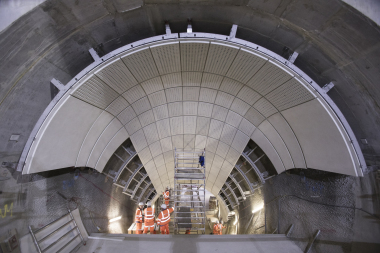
193 93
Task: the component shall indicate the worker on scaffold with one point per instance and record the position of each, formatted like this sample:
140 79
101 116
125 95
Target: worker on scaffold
166 194
164 219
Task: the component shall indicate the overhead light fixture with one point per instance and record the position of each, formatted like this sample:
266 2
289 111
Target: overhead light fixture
115 219
258 208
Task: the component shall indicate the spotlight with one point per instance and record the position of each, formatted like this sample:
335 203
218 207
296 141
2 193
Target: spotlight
115 219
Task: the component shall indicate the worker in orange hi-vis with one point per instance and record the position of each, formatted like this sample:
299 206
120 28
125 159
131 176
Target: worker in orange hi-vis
149 219
164 219
139 218
221 227
166 196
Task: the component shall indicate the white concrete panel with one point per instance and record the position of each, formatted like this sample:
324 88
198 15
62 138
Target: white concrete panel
145 156
96 92
146 118
240 141
174 94
191 93
166 144
265 107
163 128
203 125
189 141
193 55
126 115
286 133
228 134
230 86
176 125
248 95
138 140
152 85
224 99
212 144
254 116
167 57
157 98
175 109
190 108
205 109
268 149
246 127
111 147
269 77
239 106
72 120
233 119
141 64
289 94
189 124
322 142
117 76
211 81
141 105
218 161
207 95
216 128
151 133
155 150
161 112
245 65
177 141
134 94
272 135
132 126
222 149
91 137
117 106
219 113
200 141
191 78
232 156
112 128
219 58
169 157
172 80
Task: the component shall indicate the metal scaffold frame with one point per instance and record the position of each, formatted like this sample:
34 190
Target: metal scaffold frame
189 193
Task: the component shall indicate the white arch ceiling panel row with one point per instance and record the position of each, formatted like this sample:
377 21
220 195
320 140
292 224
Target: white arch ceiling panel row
196 94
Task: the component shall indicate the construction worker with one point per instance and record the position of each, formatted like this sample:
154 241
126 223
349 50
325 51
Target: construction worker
218 228
139 218
149 219
164 219
167 196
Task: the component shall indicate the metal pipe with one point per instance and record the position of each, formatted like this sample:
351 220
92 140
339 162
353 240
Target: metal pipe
35 240
64 246
60 238
72 217
47 225
55 231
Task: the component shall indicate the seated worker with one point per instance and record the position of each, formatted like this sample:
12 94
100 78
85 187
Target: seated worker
149 219
164 219
139 218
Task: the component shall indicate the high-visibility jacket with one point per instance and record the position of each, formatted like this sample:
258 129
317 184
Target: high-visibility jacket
164 216
216 228
139 217
166 195
149 216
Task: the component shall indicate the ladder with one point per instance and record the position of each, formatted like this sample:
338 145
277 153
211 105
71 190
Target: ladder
189 192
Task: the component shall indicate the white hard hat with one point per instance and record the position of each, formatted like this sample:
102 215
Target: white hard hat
163 206
141 204
149 203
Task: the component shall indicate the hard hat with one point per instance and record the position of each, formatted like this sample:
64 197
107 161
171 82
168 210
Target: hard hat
167 187
141 204
163 206
149 203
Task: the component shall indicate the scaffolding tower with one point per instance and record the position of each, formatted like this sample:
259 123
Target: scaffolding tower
189 192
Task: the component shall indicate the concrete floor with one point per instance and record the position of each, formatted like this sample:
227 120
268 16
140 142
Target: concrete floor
192 244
